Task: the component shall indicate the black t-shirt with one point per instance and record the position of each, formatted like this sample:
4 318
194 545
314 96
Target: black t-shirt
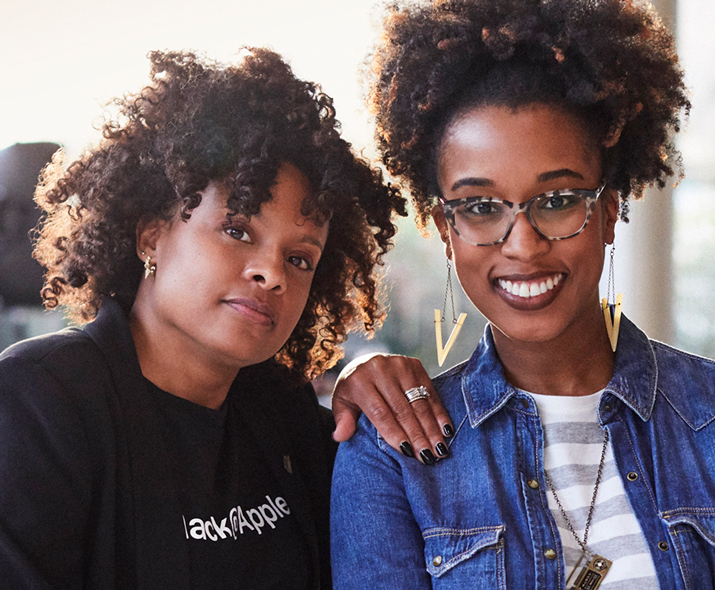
239 529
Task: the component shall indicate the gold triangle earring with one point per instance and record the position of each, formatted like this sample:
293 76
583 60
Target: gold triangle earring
442 352
612 308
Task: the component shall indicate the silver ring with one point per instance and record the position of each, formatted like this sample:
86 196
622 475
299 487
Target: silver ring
415 393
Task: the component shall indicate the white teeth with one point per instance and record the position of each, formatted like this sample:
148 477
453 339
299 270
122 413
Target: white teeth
526 290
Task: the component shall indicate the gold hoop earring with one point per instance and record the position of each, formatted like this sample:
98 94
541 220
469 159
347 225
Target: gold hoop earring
442 352
149 267
612 309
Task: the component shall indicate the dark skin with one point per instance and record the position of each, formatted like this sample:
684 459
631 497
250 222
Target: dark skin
554 342
423 424
190 326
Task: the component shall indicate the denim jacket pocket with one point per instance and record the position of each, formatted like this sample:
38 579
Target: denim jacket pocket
469 558
692 536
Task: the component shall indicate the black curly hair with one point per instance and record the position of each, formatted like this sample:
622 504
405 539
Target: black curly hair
610 62
200 121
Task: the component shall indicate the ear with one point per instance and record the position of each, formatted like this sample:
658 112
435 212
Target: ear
148 233
610 205
443 228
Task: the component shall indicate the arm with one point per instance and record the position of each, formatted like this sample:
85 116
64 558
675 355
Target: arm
46 482
376 385
375 541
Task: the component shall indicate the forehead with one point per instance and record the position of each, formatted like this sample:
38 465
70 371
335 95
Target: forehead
497 142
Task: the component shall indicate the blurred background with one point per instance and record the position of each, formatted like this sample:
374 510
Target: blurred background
63 61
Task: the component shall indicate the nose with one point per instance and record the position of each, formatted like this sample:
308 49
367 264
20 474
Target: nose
524 243
267 269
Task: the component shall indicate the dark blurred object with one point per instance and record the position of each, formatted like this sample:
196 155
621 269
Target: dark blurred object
20 274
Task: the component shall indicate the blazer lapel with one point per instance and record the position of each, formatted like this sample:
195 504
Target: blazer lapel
156 504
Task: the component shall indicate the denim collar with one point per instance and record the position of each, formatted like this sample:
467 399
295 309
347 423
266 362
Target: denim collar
635 378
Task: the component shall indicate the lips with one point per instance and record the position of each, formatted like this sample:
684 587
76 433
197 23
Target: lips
530 293
253 310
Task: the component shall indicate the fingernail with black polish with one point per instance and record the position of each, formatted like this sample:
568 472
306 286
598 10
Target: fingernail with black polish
448 430
406 449
427 456
442 449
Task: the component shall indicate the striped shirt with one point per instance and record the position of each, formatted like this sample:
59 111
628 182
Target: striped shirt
573 442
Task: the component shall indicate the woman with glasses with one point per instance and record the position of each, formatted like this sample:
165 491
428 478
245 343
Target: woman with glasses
583 453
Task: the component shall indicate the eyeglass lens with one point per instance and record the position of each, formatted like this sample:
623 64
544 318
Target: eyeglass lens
555 215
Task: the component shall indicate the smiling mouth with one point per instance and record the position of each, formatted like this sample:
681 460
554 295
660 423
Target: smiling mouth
530 289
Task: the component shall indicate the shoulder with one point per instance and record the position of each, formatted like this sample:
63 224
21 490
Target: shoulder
58 382
68 358
687 381
291 406
672 359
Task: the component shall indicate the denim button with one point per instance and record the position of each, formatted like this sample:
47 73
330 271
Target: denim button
632 476
550 554
525 404
663 546
437 561
533 484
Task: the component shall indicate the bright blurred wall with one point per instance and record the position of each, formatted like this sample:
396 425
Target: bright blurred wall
63 60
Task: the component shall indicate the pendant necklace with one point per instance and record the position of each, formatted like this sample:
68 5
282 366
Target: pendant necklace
596 567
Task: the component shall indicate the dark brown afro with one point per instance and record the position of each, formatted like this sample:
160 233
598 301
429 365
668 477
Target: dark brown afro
611 62
197 122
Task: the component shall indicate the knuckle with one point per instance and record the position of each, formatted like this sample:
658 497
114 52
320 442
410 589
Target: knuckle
379 413
422 409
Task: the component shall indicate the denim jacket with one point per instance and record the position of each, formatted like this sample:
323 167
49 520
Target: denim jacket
478 519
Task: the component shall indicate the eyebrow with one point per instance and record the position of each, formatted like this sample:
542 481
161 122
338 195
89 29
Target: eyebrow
543 177
313 241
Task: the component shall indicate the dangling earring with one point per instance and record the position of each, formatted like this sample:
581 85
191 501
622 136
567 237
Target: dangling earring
439 318
612 311
149 267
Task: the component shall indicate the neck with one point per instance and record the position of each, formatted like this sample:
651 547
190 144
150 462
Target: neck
578 362
176 366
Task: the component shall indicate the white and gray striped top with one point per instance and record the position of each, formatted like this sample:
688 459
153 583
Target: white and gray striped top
573 442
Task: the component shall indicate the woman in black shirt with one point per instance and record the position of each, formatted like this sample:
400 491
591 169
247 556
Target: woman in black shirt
221 241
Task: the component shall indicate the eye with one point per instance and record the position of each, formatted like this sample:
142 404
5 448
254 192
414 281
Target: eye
301 262
237 233
559 201
481 209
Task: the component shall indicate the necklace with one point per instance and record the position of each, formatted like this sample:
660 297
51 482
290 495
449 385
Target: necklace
594 571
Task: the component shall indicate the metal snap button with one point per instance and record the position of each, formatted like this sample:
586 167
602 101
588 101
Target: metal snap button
663 546
525 404
533 484
632 476
437 561
550 554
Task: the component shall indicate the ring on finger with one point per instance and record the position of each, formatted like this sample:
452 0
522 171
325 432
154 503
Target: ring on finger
415 393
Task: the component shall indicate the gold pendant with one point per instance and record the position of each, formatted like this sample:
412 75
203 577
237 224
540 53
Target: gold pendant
612 325
443 352
592 574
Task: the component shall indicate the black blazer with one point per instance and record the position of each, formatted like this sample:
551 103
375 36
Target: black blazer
86 495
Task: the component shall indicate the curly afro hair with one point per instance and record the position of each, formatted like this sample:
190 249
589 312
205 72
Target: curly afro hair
610 62
198 122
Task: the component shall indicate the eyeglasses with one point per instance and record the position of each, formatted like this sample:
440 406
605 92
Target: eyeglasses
555 215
